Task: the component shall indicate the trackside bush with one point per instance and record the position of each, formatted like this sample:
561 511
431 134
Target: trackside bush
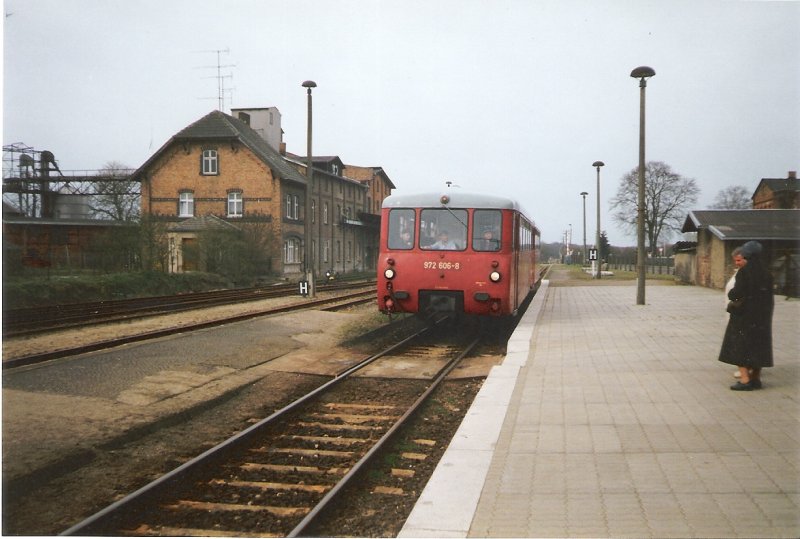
59 290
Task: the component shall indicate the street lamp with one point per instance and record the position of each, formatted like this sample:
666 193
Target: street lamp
642 73
583 258
307 253
597 165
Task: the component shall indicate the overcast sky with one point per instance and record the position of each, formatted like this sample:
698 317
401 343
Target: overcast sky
519 97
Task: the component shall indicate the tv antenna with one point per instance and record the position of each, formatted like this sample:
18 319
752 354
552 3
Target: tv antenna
220 76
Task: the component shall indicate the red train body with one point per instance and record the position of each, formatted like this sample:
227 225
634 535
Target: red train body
456 252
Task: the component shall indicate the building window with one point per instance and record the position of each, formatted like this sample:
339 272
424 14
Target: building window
335 169
210 164
325 213
186 205
235 204
291 251
313 211
293 207
326 251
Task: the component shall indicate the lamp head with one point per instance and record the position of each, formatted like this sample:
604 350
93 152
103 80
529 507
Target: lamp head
309 84
598 164
584 193
643 72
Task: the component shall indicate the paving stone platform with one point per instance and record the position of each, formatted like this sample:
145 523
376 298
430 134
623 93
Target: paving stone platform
608 419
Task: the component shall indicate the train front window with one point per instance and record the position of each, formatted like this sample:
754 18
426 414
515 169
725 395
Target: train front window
443 229
401 229
486 230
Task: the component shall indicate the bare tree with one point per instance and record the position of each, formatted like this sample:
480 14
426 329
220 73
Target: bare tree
735 197
667 199
116 196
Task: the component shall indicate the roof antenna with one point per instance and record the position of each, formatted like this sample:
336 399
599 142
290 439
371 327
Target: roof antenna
219 76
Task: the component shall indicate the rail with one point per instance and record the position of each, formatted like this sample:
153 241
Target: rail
333 302
107 520
36 320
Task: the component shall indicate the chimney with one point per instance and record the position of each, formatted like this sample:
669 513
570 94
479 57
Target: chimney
792 174
283 148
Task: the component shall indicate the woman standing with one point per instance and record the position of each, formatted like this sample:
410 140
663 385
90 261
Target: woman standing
748 336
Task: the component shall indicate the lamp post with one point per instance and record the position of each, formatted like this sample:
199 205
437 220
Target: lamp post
642 73
597 165
583 258
569 245
307 252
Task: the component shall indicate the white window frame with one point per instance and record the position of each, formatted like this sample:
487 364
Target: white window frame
235 204
186 204
210 163
296 209
291 251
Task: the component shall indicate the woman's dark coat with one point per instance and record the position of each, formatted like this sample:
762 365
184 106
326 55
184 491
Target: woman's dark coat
748 337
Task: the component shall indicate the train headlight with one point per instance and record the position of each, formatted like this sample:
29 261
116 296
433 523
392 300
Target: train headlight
494 276
388 273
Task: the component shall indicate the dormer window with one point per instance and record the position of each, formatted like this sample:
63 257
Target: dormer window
335 168
210 163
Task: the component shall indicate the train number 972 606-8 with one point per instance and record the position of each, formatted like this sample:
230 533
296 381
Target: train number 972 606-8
434 265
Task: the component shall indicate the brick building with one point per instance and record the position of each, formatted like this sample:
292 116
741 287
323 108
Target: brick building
229 168
778 193
708 261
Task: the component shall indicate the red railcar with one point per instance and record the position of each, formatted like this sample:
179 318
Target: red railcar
456 252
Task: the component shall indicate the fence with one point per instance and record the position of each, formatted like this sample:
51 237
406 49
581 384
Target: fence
654 265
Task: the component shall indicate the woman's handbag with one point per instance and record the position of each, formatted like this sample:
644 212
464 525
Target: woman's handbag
735 306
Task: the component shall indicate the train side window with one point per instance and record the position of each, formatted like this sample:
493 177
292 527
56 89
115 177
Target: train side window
443 229
401 229
486 230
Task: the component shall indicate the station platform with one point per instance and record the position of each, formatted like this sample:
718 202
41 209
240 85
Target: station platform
608 419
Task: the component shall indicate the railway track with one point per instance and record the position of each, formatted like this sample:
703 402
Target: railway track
332 303
277 477
36 320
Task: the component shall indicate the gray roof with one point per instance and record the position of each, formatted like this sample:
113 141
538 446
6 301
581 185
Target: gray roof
202 222
218 126
777 185
457 199
746 224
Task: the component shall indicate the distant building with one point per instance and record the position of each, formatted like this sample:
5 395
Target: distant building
719 232
233 168
778 193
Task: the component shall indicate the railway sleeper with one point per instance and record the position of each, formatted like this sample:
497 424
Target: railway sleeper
169 531
271 486
338 426
349 406
218 507
326 439
307 452
357 419
290 468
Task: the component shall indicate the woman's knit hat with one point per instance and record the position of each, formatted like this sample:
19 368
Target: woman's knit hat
751 249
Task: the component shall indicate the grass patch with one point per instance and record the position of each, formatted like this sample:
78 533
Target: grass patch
61 290
577 273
